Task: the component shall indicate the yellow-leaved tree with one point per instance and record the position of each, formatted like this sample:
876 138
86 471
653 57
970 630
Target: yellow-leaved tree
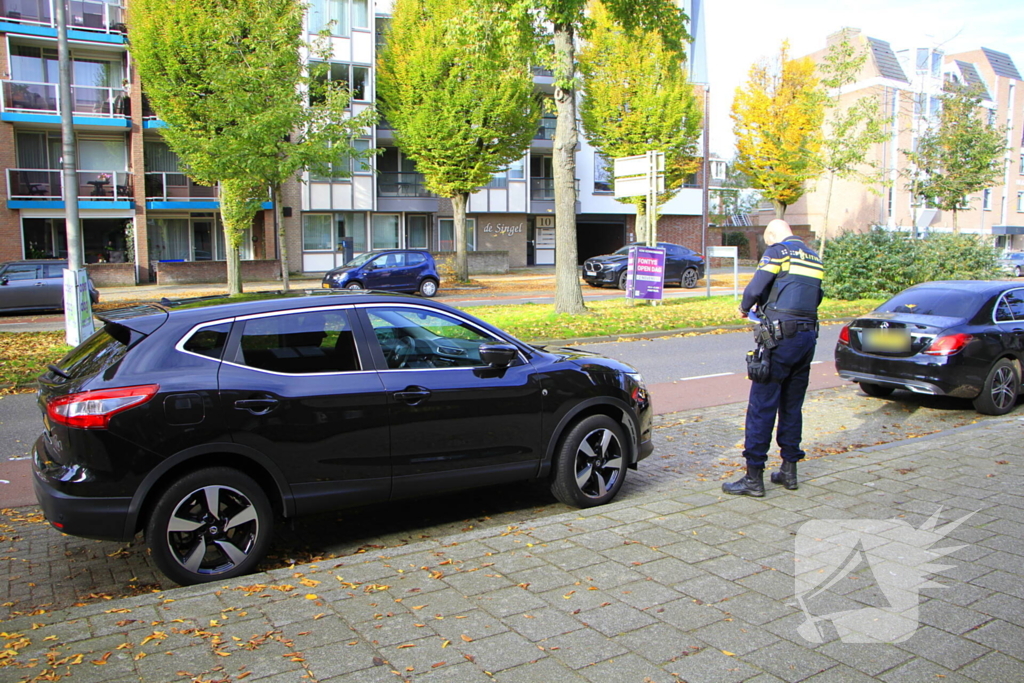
777 121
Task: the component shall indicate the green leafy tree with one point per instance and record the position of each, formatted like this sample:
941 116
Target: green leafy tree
637 98
958 155
851 130
777 121
229 79
458 89
557 25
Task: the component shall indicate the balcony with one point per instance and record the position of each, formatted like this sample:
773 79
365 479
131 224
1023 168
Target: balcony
402 185
44 98
48 185
177 187
85 15
546 131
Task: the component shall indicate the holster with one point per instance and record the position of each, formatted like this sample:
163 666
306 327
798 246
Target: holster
759 364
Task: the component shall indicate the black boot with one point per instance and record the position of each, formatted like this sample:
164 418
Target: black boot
786 476
752 483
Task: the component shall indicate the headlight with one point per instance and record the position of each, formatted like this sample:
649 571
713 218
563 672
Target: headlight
638 391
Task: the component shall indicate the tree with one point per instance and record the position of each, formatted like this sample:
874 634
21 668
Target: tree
458 89
959 154
777 121
850 131
558 25
637 98
228 78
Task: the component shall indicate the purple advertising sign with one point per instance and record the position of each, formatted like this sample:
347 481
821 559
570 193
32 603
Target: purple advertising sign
646 273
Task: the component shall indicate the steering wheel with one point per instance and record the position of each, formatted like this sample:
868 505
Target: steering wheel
404 350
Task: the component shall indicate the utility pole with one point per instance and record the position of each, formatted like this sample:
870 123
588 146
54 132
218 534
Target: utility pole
706 166
77 322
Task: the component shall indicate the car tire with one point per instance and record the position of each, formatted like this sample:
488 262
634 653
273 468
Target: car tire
428 288
232 539
876 390
689 279
591 461
1016 271
623 276
353 286
999 394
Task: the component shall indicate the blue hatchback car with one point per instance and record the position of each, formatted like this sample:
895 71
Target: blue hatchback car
391 270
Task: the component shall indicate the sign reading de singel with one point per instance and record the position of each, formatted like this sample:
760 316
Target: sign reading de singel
505 229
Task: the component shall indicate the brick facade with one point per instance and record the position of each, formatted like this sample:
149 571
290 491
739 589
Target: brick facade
112 274
684 230
10 222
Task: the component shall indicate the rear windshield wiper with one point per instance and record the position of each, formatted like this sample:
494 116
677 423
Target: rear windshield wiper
57 371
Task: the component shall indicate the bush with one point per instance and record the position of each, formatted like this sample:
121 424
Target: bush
737 239
880 263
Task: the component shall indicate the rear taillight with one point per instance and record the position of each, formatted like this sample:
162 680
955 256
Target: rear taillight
844 335
948 345
93 409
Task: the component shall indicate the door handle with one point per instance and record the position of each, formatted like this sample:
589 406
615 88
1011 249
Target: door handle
257 406
412 395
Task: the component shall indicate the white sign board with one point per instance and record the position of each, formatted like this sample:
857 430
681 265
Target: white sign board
636 187
724 252
636 165
77 307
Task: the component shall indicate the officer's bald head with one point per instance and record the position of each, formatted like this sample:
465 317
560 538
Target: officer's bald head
777 231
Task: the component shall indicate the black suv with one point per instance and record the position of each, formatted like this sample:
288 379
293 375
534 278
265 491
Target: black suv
683 267
200 426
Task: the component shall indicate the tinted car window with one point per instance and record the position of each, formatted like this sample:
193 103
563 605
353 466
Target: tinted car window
415 259
1010 306
927 301
300 343
209 341
22 271
54 270
97 353
414 338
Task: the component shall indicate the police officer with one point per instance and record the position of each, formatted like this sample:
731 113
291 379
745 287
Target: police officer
786 291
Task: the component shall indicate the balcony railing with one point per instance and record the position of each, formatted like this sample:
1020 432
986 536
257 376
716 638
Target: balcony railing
48 184
546 131
542 189
44 97
402 185
176 187
82 14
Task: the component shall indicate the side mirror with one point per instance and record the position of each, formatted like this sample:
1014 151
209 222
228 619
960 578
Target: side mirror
498 355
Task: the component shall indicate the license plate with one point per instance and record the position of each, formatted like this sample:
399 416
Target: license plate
887 341
325 285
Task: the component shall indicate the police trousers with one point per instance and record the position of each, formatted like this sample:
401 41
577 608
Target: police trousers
782 396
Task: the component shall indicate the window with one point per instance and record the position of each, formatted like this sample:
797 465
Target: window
416 338
517 169
1010 307
22 272
447 234
304 342
343 166
340 75
602 174
208 341
337 17
385 231
499 180
986 200
352 225
922 60
1020 164
416 228
316 232
102 154
168 239
936 64
1020 202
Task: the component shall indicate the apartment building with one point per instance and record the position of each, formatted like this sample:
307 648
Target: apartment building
144 221
907 84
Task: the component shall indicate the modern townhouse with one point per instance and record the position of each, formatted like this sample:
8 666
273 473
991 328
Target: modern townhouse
144 221
907 84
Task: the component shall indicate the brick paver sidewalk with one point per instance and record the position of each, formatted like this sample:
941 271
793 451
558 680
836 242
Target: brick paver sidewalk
684 584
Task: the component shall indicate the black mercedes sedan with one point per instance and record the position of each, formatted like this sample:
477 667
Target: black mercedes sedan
200 426
683 267
957 338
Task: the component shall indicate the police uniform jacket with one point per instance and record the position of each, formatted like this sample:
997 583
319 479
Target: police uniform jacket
787 283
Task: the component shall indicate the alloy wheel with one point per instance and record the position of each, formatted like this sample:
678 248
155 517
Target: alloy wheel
212 530
599 463
1004 382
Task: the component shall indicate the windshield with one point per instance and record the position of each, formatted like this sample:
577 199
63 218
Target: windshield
361 259
952 303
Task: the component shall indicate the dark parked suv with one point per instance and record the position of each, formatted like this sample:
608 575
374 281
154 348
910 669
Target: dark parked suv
683 267
392 270
35 285
200 426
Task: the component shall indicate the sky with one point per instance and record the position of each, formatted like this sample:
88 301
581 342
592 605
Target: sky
741 32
